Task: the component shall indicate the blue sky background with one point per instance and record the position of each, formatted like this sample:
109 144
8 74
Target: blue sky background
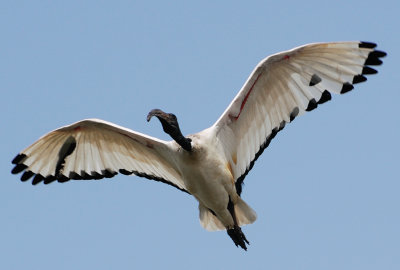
326 190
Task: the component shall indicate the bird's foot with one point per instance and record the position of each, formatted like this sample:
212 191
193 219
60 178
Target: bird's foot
238 236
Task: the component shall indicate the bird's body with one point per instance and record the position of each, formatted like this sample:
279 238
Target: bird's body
208 177
212 164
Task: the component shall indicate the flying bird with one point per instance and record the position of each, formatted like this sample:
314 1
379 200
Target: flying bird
211 164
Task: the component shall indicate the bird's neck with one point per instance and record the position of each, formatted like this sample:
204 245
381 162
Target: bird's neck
185 143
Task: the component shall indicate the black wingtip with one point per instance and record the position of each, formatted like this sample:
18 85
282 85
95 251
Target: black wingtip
26 176
373 61
51 178
19 168
315 79
18 158
368 71
282 125
85 176
125 172
359 78
75 176
95 175
373 58
368 45
347 87
326 96
37 179
379 54
312 104
108 173
294 114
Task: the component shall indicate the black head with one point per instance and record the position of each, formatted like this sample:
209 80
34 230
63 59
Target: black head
170 126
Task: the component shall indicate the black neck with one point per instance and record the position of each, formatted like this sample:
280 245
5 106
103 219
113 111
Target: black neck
170 126
184 142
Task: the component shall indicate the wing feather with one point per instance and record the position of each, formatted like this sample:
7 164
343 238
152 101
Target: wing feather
94 149
284 86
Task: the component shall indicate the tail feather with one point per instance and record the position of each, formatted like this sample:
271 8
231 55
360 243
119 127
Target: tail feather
244 215
208 220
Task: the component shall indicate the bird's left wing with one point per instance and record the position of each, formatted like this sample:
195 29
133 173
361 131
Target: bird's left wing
284 86
94 149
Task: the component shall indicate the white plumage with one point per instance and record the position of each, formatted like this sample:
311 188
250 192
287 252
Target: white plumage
212 164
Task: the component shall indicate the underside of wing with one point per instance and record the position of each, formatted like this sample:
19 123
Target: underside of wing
95 149
284 86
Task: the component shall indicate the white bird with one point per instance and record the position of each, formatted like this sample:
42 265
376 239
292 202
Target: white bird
211 164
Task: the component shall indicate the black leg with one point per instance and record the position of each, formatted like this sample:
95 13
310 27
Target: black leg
236 233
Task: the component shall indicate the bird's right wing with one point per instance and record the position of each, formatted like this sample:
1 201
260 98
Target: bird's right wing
94 149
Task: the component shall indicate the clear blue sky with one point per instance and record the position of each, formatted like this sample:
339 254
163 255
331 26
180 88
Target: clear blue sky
326 190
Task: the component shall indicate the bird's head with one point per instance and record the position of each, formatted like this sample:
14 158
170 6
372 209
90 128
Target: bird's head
170 126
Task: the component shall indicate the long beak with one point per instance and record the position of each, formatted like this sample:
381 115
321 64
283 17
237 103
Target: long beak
155 112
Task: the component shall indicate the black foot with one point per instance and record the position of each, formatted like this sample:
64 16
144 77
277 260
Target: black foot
238 237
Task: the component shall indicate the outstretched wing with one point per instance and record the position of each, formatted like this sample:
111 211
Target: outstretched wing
94 149
283 86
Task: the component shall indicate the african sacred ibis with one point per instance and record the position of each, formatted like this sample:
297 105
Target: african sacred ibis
212 164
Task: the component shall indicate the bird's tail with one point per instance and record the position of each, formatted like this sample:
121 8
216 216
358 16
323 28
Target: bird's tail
244 215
